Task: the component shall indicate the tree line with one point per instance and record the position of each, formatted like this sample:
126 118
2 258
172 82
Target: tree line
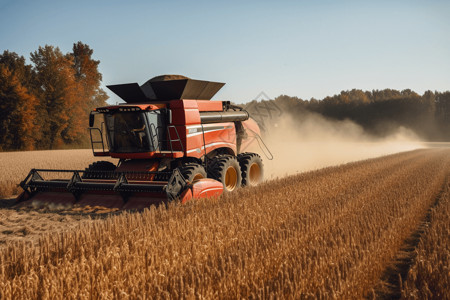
45 105
379 112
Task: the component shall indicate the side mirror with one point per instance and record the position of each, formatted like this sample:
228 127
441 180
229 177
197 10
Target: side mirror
92 118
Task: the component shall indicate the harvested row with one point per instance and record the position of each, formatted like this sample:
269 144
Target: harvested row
429 277
327 233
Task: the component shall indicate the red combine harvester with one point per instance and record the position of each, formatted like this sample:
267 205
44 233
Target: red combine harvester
172 142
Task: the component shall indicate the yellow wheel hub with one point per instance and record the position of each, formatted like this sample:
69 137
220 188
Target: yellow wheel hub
254 174
231 178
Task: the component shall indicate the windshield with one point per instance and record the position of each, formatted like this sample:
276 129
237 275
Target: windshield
133 131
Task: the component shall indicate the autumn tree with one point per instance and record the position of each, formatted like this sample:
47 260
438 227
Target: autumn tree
88 80
88 76
18 114
17 65
62 104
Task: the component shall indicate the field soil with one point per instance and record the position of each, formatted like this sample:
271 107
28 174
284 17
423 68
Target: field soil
330 233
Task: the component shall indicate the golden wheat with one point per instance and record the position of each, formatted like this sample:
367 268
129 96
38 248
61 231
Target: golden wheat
323 234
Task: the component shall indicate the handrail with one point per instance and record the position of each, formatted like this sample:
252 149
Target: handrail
169 140
174 140
96 142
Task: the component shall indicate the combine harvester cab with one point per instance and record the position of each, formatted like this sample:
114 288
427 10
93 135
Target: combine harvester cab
172 143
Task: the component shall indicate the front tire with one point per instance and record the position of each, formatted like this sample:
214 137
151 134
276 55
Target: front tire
226 169
193 172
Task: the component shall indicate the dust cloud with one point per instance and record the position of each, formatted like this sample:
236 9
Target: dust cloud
314 142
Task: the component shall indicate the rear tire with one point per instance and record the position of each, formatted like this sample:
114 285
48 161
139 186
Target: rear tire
193 172
252 168
226 169
94 171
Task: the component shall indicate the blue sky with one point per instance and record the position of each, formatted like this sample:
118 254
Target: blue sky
299 48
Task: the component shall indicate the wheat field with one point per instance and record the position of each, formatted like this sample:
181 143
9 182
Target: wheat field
330 233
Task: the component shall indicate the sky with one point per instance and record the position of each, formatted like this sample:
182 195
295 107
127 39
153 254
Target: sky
298 48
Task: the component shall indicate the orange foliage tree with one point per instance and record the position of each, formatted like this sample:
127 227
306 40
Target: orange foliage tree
18 126
88 75
59 95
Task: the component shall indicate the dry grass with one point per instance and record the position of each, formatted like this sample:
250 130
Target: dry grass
323 234
16 165
429 276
